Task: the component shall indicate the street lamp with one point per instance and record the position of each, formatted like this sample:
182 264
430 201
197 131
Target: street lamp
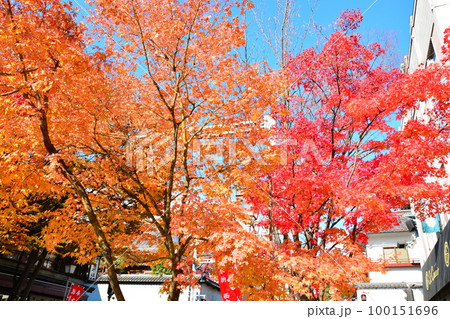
70 269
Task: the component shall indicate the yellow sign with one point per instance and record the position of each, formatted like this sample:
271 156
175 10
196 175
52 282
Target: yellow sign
446 254
431 275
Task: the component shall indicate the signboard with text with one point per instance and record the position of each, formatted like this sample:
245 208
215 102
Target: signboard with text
436 270
94 269
228 293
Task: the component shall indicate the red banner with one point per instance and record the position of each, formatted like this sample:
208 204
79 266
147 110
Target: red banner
228 293
75 293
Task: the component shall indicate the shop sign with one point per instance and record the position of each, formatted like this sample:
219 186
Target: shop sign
436 270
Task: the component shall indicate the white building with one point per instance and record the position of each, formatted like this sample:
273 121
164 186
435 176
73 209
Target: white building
146 288
427 25
399 249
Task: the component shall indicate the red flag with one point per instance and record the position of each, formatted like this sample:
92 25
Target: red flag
75 293
316 292
228 293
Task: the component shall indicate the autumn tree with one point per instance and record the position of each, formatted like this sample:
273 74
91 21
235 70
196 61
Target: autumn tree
21 224
284 31
26 217
343 168
148 125
191 92
50 88
119 130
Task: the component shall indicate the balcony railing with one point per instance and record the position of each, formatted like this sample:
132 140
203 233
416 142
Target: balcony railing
400 262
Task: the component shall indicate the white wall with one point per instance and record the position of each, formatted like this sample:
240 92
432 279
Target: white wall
430 19
428 23
388 295
138 292
380 240
421 26
401 274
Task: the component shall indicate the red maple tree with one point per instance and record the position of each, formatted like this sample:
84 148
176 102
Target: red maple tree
345 168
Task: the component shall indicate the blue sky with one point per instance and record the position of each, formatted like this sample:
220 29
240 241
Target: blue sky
381 18
381 15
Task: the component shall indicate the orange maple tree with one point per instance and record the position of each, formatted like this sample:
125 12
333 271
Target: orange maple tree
191 92
51 92
119 129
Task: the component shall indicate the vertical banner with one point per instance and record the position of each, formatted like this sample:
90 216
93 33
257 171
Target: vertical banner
228 293
75 293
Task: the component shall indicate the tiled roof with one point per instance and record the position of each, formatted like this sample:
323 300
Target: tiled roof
148 278
137 278
401 227
388 285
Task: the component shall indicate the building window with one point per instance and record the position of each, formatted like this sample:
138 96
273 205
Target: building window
396 254
431 55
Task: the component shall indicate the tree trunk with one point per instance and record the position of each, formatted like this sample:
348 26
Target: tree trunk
16 271
273 229
174 289
32 257
101 237
26 292
82 193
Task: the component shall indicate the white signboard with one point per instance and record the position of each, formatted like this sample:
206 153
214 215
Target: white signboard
94 269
